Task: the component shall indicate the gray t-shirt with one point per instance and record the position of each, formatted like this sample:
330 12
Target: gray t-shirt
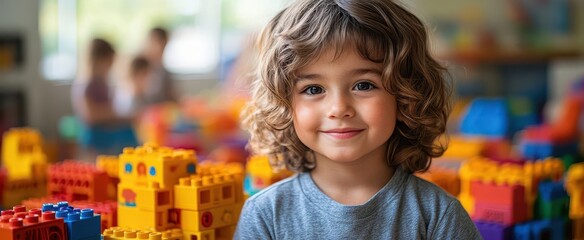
407 207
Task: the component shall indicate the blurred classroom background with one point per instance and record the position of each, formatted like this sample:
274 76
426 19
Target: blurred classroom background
517 68
514 49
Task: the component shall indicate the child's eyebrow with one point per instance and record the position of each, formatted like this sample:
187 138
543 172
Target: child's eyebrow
354 72
362 71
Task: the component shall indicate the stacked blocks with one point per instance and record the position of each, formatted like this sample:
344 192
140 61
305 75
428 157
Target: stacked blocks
77 181
22 154
81 224
24 162
552 202
209 203
147 176
18 224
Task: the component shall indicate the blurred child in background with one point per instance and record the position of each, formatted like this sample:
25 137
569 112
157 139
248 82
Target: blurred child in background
103 130
160 87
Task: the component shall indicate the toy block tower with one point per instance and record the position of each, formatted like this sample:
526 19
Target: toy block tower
209 202
24 162
504 193
22 154
147 176
77 181
18 224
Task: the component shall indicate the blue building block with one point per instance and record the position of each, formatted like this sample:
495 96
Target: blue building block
81 224
56 207
532 150
493 231
540 230
487 118
552 190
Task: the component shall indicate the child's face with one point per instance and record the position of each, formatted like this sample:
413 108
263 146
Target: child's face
341 109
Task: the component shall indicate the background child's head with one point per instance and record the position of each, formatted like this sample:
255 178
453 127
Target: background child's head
381 31
101 56
139 71
156 42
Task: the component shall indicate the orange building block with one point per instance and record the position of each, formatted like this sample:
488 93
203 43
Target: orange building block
18 224
77 181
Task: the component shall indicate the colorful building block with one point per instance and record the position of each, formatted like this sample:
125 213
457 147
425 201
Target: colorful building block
541 229
120 233
493 231
77 181
84 225
18 224
110 165
22 154
159 220
261 175
151 163
209 203
575 186
17 190
552 201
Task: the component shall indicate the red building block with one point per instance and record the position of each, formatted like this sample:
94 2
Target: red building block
77 181
17 224
498 194
500 214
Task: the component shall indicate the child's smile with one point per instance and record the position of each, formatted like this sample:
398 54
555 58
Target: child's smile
341 108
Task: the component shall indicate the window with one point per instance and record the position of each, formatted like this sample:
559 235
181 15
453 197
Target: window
67 26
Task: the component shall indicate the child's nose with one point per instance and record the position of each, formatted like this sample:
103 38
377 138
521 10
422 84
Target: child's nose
340 106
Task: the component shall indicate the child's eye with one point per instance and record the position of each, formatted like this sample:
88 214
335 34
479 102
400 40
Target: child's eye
313 90
363 86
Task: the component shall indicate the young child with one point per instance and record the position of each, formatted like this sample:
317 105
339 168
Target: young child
160 85
103 131
348 95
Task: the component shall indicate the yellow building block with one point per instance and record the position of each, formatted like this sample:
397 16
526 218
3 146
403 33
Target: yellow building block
121 233
148 198
15 191
22 154
464 147
151 163
209 219
108 164
136 218
205 192
232 168
574 183
225 233
262 174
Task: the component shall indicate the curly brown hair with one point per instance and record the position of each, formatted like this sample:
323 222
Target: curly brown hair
382 31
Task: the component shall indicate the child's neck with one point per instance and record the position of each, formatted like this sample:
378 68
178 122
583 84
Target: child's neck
352 183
